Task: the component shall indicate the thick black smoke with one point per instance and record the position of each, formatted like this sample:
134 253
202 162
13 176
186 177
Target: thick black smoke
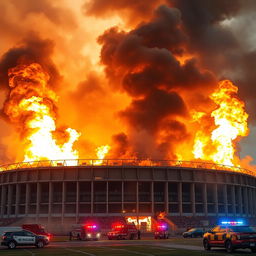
145 63
31 49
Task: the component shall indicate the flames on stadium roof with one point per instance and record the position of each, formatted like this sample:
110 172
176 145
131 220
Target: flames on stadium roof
151 79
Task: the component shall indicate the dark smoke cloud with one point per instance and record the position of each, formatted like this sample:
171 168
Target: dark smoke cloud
121 145
147 113
144 61
132 9
223 49
31 49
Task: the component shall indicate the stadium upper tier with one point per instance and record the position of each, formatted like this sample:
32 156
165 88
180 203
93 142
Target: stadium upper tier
124 162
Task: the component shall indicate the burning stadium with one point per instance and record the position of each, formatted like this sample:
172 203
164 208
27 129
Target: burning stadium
58 194
165 79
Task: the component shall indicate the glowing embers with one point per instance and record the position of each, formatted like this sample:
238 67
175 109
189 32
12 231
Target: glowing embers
217 143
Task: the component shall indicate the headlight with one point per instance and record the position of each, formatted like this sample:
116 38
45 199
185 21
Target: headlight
89 235
98 235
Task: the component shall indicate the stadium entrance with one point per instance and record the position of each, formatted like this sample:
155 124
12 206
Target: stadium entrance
144 223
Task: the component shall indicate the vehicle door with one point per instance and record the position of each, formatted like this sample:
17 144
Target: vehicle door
20 237
213 235
28 237
220 236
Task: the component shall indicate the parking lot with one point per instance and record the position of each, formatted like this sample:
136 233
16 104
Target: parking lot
61 246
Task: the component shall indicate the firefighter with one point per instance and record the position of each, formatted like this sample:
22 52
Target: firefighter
139 235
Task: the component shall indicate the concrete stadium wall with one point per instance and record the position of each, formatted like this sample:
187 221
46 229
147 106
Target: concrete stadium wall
67 194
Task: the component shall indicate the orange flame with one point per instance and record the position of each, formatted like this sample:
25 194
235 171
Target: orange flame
231 121
32 106
101 153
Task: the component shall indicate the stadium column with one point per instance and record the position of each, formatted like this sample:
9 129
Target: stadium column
9 206
137 198
64 190
27 199
240 202
3 200
205 199
253 203
250 201
233 199
38 198
215 198
17 200
225 199
92 195
122 196
192 192
50 202
107 197
77 201
166 198
246 201
152 198
180 197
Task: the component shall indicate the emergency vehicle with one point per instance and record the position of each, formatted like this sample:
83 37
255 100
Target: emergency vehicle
231 235
34 228
89 231
123 231
161 230
23 238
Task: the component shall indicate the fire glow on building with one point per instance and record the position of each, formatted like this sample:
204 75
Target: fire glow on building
140 87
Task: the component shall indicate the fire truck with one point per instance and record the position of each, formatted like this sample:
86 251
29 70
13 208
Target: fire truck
89 231
161 230
123 231
231 235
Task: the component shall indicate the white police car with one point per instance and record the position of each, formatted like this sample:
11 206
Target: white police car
23 238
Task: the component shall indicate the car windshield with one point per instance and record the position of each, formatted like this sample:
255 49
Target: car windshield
243 229
191 230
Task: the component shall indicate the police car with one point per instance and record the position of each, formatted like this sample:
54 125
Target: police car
23 238
231 235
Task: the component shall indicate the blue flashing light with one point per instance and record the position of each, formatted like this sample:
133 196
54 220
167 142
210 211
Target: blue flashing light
232 223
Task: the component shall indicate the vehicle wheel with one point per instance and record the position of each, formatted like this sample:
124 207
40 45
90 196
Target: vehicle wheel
131 236
119 238
40 244
229 246
12 245
253 250
207 246
192 236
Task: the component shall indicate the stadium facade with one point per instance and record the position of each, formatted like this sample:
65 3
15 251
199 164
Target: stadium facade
57 193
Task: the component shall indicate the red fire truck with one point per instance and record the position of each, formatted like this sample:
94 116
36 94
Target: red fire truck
161 230
37 229
123 231
89 231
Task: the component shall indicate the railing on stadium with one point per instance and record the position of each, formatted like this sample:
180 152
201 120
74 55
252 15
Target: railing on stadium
124 162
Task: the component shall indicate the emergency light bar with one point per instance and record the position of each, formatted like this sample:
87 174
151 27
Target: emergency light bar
91 226
232 223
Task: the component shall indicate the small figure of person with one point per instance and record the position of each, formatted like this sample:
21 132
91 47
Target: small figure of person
139 235
70 236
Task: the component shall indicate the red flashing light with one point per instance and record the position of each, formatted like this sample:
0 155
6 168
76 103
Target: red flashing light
91 226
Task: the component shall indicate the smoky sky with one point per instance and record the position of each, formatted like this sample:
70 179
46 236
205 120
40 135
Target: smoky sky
146 59
31 49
